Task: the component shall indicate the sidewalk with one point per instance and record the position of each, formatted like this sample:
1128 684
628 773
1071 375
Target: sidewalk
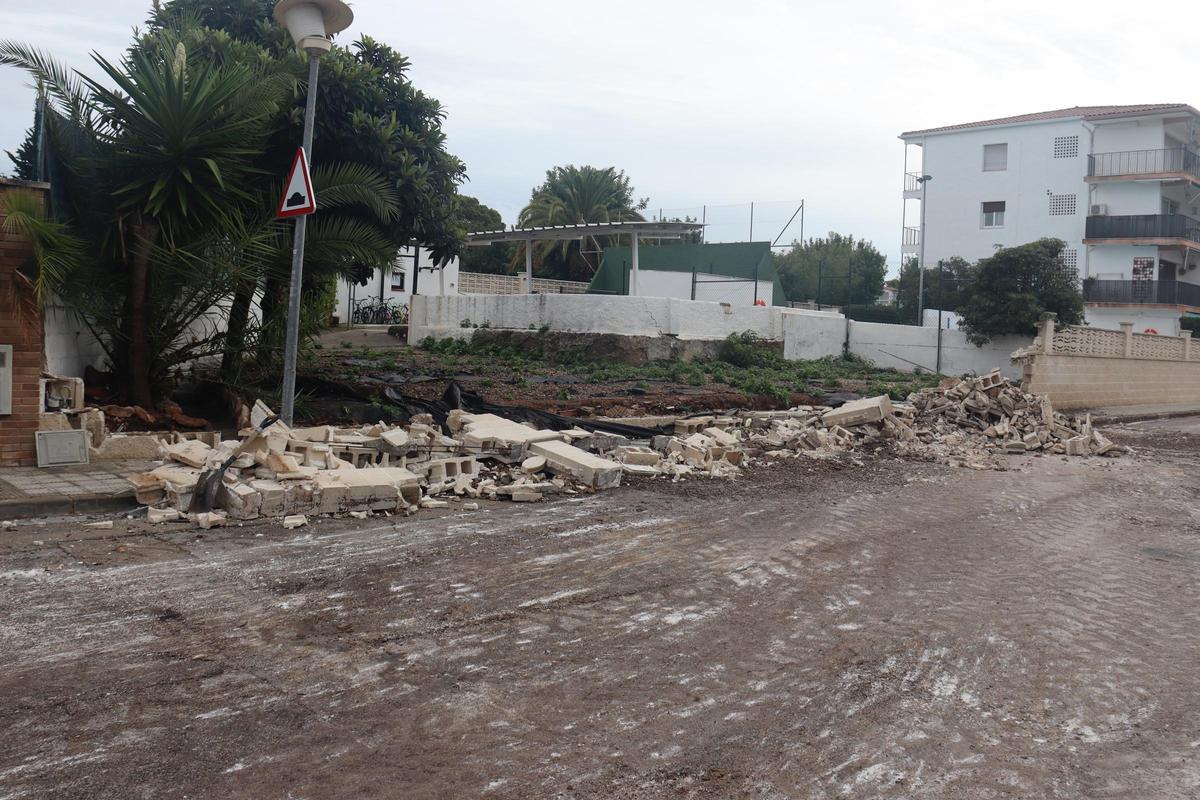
34 492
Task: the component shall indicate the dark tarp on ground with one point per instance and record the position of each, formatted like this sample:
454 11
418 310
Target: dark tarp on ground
456 397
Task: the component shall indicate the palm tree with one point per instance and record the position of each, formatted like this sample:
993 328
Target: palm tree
167 213
571 195
152 164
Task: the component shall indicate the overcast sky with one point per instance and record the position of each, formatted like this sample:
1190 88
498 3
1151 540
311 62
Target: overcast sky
717 103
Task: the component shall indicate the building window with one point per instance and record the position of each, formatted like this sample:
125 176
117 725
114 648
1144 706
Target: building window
1143 269
1066 146
1062 205
1170 206
995 157
1068 262
397 281
993 214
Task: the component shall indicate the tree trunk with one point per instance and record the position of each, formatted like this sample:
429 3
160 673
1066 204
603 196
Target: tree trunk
138 383
235 338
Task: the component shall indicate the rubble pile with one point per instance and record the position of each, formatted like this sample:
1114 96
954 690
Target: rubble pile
296 472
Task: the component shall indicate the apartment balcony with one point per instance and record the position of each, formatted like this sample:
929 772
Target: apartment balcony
911 243
1167 230
1165 164
912 186
1168 293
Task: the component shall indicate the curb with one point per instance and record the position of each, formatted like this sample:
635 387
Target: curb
61 504
1112 419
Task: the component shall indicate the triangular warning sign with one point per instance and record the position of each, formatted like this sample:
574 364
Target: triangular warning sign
298 198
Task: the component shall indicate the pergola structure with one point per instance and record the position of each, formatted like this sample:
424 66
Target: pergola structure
556 233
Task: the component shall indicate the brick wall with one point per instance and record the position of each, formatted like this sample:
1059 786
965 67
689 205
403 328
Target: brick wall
17 430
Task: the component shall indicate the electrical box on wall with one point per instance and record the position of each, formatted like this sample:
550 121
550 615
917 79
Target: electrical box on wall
60 448
6 378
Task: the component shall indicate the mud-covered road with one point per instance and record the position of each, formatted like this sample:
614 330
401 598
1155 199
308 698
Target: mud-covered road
890 630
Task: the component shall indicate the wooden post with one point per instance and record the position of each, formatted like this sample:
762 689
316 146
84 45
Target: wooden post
1127 329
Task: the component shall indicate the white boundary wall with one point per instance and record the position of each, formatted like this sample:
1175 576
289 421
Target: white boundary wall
69 346
805 334
457 316
905 347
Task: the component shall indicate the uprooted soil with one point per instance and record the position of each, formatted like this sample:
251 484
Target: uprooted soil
880 629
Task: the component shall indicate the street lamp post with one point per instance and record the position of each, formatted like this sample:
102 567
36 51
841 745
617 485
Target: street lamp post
310 23
924 181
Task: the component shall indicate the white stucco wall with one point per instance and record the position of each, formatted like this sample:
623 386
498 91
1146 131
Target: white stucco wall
812 334
906 347
1165 321
805 334
69 346
633 316
663 283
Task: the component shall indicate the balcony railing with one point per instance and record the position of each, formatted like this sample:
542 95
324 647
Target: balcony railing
911 182
1143 162
1143 226
912 237
1171 293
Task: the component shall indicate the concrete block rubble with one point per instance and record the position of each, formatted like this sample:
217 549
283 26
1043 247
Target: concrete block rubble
392 469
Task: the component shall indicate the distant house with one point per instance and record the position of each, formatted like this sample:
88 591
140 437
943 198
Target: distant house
888 296
413 265
1119 184
737 272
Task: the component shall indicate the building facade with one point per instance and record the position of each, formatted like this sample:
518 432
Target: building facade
1119 184
386 292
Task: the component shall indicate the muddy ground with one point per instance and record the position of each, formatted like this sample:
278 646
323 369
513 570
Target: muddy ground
813 630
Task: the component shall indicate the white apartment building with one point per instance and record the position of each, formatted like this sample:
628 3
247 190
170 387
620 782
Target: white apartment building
1119 184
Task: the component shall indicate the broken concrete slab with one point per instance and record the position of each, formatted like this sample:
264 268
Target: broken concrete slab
858 412
190 452
597 472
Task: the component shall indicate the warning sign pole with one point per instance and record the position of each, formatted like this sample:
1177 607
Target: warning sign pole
292 342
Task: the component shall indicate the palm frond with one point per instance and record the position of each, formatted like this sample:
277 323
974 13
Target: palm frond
343 184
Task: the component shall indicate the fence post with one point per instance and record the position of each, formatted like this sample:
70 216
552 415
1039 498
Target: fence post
1187 345
1127 329
1047 332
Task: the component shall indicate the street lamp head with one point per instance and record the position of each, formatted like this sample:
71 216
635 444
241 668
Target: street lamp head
924 178
312 22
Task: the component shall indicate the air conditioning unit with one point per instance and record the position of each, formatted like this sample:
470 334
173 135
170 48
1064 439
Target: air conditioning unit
6 375
1099 210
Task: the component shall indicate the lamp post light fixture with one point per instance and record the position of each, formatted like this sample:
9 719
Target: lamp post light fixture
310 23
924 181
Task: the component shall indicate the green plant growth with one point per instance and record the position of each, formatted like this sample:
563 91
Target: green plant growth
1012 289
745 363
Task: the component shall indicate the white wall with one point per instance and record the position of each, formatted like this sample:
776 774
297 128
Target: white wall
906 347
632 316
813 334
664 283
929 318
69 345
430 282
805 334
1165 321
